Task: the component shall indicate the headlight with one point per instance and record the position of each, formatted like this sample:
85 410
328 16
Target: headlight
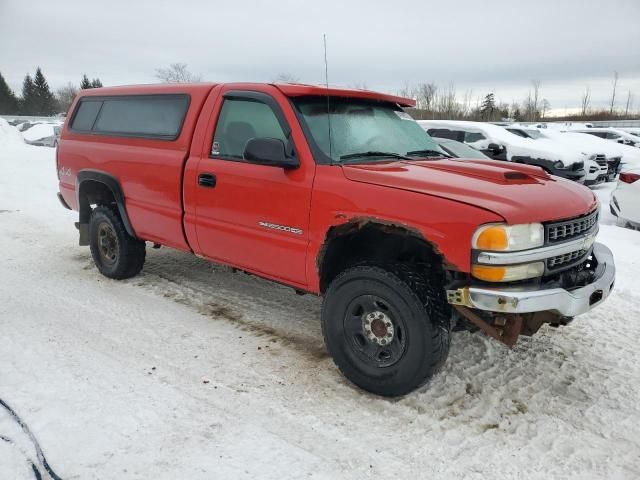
510 273
508 238
558 164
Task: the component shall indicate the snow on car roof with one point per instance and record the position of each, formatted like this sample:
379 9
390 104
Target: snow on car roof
496 132
38 131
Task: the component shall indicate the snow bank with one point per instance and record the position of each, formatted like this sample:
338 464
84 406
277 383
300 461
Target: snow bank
9 134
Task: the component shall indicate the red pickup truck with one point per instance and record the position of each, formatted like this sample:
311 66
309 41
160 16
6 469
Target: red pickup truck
338 193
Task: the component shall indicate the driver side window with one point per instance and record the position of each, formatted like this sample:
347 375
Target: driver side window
239 121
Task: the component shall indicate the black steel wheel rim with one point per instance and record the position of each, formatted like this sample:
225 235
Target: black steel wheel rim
374 331
108 243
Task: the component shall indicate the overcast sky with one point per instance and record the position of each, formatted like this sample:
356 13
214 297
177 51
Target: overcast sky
484 46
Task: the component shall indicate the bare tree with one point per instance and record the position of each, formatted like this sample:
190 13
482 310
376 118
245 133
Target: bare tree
407 91
447 103
176 73
514 110
536 95
585 101
612 104
425 95
284 77
532 102
65 96
629 103
359 85
466 103
544 107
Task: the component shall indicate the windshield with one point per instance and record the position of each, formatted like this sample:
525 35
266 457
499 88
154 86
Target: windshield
534 134
364 130
461 150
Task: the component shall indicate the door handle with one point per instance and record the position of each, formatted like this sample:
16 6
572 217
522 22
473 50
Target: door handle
207 180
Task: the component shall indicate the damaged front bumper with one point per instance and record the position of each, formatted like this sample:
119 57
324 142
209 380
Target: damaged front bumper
561 301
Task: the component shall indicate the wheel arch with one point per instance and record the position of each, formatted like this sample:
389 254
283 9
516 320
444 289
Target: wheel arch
374 240
96 187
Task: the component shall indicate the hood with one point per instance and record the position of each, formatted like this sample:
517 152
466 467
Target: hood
518 193
554 150
606 147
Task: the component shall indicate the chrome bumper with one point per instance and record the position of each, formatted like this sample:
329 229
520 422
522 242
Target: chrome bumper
526 300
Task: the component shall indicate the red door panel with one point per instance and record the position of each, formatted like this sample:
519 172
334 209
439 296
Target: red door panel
255 217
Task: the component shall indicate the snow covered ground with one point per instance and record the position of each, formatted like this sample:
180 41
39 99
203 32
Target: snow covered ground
191 371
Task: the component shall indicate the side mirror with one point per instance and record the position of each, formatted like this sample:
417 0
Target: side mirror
270 152
494 147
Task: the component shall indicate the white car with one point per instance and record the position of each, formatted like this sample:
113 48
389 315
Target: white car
499 144
625 199
596 152
635 131
613 152
612 134
43 134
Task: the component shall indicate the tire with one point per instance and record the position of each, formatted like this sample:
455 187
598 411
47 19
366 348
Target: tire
117 254
397 359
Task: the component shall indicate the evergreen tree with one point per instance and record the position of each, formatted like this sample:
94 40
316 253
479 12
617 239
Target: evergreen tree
27 103
488 106
96 83
85 83
8 99
45 102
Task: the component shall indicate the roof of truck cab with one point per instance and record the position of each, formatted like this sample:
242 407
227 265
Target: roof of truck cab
288 89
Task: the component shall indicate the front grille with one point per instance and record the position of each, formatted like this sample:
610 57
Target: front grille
601 160
560 260
568 229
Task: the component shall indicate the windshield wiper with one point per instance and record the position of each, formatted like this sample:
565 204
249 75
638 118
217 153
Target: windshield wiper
427 153
373 153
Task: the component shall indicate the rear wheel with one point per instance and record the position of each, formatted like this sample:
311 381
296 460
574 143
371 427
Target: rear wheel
117 254
387 327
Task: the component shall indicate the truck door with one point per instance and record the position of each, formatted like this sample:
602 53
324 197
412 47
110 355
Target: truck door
253 216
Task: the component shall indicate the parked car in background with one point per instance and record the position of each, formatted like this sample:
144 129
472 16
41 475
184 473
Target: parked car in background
612 134
596 165
635 131
500 144
625 199
595 173
460 150
613 153
43 134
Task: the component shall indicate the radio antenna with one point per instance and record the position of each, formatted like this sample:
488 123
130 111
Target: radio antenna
326 82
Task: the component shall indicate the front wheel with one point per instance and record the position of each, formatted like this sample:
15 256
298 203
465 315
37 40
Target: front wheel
387 327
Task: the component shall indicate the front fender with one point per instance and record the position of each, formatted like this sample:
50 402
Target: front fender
447 225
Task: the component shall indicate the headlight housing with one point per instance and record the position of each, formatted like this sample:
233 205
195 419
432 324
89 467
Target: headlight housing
508 238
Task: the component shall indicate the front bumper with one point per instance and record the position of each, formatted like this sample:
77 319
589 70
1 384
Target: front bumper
568 303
